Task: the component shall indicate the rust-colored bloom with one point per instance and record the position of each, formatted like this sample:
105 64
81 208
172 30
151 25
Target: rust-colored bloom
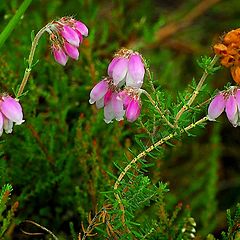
229 52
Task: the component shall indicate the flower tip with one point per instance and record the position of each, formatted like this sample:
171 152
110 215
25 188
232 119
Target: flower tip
119 119
82 28
91 101
20 122
60 56
107 121
211 119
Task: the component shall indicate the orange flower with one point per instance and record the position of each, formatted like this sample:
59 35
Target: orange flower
235 71
229 52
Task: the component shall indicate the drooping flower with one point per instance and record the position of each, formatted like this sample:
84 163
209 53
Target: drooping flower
127 67
132 103
216 107
10 112
106 95
228 100
113 109
98 93
65 35
119 94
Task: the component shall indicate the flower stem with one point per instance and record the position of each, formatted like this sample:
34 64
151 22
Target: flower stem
30 60
143 154
196 91
14 21
41 227
156 106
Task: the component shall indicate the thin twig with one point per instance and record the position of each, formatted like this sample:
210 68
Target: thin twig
92 223
175 26
38 225
164 33
196 91
30 60
156 106
143 154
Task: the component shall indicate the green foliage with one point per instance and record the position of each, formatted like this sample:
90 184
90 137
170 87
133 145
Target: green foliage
64 161
6 216
233 220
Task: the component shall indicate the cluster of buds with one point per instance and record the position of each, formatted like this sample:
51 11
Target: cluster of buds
66 35
10 112
119 93
229 52
228 100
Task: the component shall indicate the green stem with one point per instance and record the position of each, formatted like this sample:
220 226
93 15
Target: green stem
196 91
14 21
156 106
143 154
30 60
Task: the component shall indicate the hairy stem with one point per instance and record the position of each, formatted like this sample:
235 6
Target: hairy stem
156 106
30 60
143 154
196 91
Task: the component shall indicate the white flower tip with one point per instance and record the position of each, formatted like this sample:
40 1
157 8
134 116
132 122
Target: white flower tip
20 122
119 119
91 101
107 121
211 119
8 131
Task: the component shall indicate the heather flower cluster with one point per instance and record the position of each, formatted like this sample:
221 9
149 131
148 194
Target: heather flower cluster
10 112
229 101
229 52
66 35
119 93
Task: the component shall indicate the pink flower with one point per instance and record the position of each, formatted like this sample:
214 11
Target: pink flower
119 93
216 107
66 34
127 67
228 100
59 55
81 28
10 112
114 108
70 35
99 91
71 50
106 95
133 110
136 71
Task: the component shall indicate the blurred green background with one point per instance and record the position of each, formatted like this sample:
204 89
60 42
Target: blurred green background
57 161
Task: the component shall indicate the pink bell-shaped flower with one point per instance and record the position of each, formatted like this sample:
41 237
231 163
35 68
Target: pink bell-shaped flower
119 70
98 92
70 35
228 100
59 55
117 106
136 71
66 34
127 67
10 112
216 107
232 110
81 27
133 110
71 51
